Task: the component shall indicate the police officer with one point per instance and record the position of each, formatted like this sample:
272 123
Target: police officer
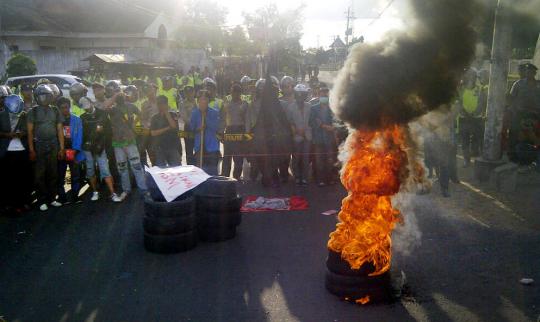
524 109
210 85
471 116
167 89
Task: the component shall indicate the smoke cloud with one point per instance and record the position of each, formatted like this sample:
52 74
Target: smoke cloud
409 73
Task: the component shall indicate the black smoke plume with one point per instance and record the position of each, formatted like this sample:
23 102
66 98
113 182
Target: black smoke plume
408 73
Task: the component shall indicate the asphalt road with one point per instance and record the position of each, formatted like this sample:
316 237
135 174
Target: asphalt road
463 258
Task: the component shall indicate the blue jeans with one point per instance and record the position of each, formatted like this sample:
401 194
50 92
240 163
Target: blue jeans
130 154
102 162
300 159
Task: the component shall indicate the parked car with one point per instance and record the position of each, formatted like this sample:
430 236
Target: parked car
63 82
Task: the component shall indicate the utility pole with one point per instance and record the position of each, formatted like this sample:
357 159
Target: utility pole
496 102
500 56
350 18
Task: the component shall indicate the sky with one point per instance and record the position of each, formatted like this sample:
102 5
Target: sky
324 19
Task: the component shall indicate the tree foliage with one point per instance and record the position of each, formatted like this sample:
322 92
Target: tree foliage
267 26
20 65
202 25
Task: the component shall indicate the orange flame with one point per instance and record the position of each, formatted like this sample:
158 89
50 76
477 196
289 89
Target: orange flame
372 175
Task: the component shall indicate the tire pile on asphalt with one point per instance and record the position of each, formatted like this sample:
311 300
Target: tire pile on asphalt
210 212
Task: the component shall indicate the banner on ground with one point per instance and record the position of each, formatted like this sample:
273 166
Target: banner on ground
174 182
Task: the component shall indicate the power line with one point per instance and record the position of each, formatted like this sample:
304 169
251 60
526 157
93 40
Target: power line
381 13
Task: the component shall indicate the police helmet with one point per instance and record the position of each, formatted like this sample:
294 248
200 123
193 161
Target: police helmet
209 81
245 80
132 92
56 91
259 85
43 95
78 90
301 88
275 81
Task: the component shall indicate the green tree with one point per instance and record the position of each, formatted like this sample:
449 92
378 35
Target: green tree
237 43
267 26
20 65
278 34
202 25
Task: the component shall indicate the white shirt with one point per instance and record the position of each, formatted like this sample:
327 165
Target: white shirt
15 144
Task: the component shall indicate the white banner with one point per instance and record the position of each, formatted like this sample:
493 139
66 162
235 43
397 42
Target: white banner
174 182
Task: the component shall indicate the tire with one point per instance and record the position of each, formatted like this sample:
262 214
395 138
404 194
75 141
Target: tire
169 226
168 244
180 208
339 266
378 291
217 234
217 186
220 219
207 204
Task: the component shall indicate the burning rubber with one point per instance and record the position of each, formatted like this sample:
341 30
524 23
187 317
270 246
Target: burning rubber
381 88
360 247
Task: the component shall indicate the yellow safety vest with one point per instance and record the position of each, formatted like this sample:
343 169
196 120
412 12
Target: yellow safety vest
469 98
76 110
216 103
171 97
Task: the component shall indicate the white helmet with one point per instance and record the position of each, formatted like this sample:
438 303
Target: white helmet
208 80
301 88
245 80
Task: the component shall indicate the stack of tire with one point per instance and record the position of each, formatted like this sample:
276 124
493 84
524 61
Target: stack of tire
169 227
218 209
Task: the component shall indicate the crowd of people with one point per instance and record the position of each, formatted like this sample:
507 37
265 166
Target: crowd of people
108 139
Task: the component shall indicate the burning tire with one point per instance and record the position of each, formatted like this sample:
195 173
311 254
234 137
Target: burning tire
357 285
337 265
217 186
169 225
217 234
377 289
168 244
179 208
